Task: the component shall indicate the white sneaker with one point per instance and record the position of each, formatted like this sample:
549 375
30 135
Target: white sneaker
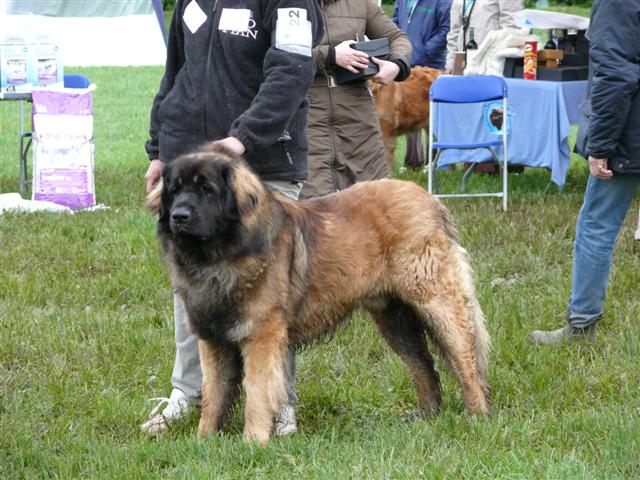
178 407
285 422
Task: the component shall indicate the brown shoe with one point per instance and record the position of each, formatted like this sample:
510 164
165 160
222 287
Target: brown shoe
568 333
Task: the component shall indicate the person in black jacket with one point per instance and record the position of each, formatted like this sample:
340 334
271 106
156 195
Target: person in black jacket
613 151
237 75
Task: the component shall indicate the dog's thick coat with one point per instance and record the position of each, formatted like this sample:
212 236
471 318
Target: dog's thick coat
258 273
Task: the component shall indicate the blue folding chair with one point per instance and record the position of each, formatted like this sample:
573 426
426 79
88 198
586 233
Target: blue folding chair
476 89
76 80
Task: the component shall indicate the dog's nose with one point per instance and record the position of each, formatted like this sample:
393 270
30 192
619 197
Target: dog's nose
180 215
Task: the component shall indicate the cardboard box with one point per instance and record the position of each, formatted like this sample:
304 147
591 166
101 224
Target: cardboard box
16 66
560 74
510 65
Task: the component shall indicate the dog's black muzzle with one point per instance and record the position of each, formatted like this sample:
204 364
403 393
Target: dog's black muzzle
181 220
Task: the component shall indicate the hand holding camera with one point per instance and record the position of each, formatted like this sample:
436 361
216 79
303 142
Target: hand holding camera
388 71
359 61
350 58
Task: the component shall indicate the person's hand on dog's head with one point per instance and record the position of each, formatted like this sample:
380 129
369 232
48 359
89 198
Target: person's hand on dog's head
350 58
388 71
231 144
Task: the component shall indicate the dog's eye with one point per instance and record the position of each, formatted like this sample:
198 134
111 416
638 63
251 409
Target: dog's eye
174 188
206 188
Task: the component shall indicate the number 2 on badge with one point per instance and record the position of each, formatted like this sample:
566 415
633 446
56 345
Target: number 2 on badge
294 18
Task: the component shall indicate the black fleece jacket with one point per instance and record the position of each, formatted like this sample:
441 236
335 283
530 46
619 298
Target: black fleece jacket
219 83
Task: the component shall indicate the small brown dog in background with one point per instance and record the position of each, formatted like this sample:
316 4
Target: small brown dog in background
403 107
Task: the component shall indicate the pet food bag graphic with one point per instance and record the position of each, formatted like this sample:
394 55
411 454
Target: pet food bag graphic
24 65
47 63
63 147
15 65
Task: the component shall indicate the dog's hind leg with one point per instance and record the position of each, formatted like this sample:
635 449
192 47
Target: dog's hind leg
405 334
221 376
449 320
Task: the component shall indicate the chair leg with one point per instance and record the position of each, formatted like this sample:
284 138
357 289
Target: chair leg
435 171
465 176
23 180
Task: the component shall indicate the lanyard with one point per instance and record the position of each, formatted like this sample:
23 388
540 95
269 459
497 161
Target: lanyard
468 6
466 18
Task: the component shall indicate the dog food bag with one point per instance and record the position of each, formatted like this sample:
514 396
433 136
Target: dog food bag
63 147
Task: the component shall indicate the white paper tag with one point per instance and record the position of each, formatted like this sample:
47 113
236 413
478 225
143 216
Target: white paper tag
293 31
234 19
471 55
193 16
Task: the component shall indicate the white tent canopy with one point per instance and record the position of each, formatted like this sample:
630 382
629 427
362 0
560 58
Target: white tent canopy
529 18
90 32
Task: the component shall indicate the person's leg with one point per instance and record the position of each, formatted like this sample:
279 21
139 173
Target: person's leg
186 377
414 158
322 147
187 374
605 205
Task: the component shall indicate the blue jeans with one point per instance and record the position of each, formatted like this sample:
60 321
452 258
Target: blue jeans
605 205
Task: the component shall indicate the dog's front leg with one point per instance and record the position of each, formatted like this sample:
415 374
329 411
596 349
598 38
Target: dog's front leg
221 376
265 373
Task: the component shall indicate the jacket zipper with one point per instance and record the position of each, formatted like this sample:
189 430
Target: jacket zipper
284 139
205 91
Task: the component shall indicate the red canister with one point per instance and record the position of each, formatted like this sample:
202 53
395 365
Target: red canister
530 60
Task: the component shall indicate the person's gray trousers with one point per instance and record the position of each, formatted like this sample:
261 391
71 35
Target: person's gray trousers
187 375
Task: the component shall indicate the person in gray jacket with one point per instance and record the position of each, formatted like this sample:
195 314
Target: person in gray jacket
612 146
237 74
483 16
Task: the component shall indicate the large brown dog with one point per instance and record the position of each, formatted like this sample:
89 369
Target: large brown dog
258 273
403 107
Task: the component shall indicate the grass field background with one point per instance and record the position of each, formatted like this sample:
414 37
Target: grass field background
86 338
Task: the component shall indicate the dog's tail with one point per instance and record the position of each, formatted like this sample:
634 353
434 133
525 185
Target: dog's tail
483 342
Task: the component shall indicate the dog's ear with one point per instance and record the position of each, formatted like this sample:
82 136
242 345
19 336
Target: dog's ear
154 197
243 190
230 204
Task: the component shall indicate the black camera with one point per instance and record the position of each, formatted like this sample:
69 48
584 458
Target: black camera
378 48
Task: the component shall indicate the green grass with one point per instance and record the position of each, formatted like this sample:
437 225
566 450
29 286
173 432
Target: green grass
86 338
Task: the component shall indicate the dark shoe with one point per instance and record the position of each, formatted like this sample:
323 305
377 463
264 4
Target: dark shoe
568 333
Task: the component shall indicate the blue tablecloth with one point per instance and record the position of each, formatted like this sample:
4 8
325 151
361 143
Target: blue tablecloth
540 116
